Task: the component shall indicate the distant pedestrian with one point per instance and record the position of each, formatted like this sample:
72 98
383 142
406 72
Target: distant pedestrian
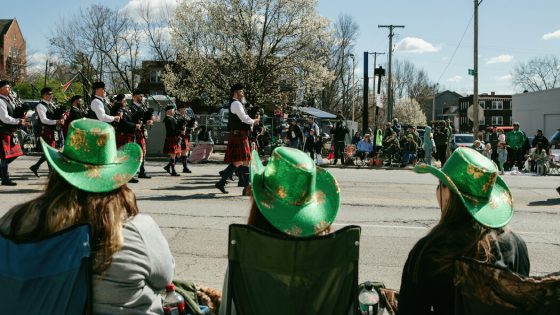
339 132
516 140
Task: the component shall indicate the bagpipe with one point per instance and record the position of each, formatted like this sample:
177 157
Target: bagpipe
20 108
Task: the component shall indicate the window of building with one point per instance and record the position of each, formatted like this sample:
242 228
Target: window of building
482 104
497 120
497 105
155 76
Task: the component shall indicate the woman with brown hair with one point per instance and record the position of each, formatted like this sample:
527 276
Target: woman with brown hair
291 196
476 206
131 258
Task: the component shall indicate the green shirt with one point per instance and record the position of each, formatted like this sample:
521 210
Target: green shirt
515 139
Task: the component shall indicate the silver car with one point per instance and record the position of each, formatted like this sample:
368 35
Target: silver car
461 140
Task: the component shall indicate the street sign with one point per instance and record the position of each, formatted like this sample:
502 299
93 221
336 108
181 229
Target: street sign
470 113
471 71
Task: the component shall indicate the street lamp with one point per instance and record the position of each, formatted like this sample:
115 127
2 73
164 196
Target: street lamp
353 87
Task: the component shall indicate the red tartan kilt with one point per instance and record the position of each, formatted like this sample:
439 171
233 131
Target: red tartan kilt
9 150
172 145
123 138
48 137
238 149
185 143
141 141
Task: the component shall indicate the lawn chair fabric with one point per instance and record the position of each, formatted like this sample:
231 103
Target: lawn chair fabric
271 274
484 289
50 276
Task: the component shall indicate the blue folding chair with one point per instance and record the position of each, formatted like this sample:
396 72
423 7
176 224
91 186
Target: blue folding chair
49 276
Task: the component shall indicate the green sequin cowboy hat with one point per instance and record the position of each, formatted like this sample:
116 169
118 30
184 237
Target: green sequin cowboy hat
294 195
474 178
90 160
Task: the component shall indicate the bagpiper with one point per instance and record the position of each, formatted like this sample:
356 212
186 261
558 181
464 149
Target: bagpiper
238 151
125 129
49 126
173 137
10 148
183 119
143 115
100 110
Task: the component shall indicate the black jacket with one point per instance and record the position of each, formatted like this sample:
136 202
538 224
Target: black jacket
433 293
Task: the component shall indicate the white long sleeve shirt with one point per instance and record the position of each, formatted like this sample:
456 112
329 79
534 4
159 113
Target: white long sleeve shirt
4 117
98 108
42 113
237 108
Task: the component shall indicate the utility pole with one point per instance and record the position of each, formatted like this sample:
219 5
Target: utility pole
365 116
353 93
476 122
389 79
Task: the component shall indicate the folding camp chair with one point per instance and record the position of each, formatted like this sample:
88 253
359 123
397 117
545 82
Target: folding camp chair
273 275
50 276
484 289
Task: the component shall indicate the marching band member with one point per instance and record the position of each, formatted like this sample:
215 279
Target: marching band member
47 126
142 115
173 135
183 119
9 144
100 109
126 128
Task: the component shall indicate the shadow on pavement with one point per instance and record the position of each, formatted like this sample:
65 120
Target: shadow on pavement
548 202
20 191
181 197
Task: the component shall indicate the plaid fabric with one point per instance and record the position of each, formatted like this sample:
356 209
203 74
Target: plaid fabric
141 140
123 138
185 143
9 149
172 145
48 136
238 149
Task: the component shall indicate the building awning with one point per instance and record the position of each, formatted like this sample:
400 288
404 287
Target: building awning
315 112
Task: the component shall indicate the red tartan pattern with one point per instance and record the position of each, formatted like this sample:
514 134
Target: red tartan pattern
172 145
9 150
123 138
48 137
185 143
238 149
141 141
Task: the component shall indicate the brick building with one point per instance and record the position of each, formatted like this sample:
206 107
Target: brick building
12 51
496 111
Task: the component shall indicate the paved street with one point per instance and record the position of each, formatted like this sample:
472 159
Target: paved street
394 207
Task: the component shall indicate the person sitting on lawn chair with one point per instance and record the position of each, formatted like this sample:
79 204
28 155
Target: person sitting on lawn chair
365 148
410 148
291 196
131 261
476 205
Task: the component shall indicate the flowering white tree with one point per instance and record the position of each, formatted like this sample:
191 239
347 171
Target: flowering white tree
277 48
408 112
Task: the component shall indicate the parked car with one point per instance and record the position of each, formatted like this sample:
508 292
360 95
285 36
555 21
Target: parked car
461 140
554 141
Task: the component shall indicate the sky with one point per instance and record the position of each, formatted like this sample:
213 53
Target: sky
437 37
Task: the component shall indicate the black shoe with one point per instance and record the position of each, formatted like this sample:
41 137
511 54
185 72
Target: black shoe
221 188
34 169
167 168
8 183
144 175
186 170
133 180
174 173
247 191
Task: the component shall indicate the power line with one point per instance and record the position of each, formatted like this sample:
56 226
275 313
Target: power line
456 48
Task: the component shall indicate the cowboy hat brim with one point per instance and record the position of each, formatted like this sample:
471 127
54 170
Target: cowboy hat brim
96 178
494 212
298 220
